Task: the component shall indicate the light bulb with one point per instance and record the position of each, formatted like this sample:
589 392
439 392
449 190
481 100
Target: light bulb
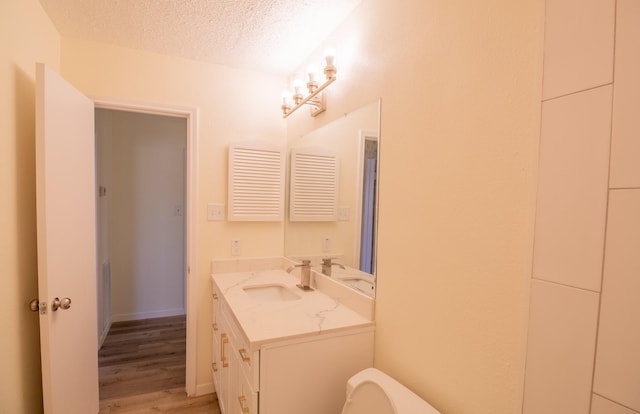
330 56
286 97
330 68
297 92
312 84
312 72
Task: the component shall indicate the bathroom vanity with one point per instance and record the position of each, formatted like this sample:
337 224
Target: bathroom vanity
278 349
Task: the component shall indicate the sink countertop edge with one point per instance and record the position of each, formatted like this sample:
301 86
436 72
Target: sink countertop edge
316 313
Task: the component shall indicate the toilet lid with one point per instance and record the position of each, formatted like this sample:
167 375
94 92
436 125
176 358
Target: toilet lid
368 398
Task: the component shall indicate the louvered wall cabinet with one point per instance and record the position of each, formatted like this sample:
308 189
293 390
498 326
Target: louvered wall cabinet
256 181
314 185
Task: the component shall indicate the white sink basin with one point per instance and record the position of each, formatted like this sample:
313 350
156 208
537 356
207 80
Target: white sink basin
270 293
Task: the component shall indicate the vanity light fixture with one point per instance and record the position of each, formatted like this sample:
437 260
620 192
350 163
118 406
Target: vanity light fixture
315 96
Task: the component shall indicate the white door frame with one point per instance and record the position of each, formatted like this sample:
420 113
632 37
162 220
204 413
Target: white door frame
191 115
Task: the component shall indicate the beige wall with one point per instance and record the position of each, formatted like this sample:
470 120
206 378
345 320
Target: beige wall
460 84
26 36
583 344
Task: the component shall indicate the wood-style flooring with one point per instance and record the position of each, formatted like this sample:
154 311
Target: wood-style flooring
142 369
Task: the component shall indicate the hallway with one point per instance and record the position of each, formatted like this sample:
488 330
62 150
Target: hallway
142 369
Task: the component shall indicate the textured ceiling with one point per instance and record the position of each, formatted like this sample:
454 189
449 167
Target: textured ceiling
272 36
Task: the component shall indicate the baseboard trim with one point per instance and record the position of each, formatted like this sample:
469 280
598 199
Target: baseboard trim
146 315
204 389
104 333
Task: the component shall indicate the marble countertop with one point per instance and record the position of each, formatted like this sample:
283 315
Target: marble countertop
314 313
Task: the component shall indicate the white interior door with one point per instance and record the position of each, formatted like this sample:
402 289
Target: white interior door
65 189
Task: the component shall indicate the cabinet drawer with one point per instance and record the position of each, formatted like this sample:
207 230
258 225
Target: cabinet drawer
250 366
249 361
247 398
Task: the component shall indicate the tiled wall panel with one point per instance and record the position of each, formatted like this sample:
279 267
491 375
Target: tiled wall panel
572 192
625 145
617 374
580 94
578 47
601 405
562 337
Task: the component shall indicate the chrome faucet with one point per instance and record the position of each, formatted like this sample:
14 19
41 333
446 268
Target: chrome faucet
327 264
305 274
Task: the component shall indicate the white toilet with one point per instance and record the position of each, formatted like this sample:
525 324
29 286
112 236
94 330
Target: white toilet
373 392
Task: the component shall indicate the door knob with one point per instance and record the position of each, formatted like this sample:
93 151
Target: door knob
64 303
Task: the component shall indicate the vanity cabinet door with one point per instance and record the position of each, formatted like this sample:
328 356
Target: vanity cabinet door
221 367
224 371
310 375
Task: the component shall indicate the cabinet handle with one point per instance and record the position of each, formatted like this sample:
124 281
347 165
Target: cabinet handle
244 355
224 340
215 296
241 400
215 326
214 366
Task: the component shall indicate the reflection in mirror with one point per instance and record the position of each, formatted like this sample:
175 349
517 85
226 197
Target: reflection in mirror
349 237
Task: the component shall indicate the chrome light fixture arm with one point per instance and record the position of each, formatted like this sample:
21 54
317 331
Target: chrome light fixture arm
316 97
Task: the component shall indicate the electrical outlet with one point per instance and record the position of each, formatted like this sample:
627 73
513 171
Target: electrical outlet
326 244
236 247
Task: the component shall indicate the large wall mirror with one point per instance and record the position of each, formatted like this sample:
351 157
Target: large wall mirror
345 228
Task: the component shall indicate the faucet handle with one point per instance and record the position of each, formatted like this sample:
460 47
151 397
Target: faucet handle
304 263
328 261
327 264
305 274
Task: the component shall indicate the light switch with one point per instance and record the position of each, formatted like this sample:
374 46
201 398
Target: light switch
215 212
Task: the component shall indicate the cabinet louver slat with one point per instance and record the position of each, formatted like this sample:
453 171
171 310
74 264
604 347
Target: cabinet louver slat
314 185
256 182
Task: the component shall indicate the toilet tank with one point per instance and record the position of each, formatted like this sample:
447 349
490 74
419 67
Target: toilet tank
373 392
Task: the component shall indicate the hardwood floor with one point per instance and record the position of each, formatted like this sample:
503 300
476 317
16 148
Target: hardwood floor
142 369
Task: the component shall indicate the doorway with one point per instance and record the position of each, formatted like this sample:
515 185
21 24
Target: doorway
141 248
369 185
146 173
